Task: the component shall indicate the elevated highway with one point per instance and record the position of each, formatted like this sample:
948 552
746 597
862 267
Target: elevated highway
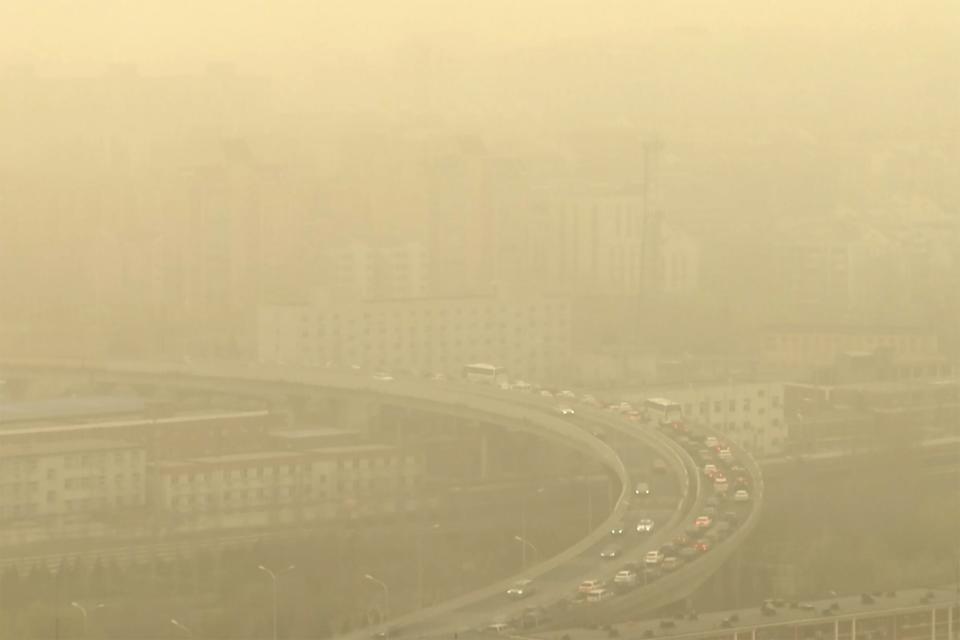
610 439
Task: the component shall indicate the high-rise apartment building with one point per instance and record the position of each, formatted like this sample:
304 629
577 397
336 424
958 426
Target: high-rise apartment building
531 337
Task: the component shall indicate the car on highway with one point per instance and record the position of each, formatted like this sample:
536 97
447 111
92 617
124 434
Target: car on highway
566 393
670 563
610 553
565 411
521 589
702 546
625 577
617 530
741 495
385 634
725 453
589 585
498 627
599 595
710 470
711 441
681 541
545 393
642 489
732 517
703 522
652 557
645 525
382 376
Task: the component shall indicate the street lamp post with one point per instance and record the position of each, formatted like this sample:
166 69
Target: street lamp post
523 518
85 613
526 543
386 593
180 625
275 578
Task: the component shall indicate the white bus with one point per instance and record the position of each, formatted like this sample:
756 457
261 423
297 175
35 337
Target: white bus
487 373
665 411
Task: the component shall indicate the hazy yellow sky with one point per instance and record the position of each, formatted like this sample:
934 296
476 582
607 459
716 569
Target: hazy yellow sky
281 34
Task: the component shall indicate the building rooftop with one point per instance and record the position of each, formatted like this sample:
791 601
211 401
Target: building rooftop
121 424
69 408
355 449
30 449
319 432
245 457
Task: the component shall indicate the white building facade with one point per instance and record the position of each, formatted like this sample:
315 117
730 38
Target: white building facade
749 414
530 337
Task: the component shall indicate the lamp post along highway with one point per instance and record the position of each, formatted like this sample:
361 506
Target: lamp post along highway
526 543
386 593
275 578
182 626
85 613
523 520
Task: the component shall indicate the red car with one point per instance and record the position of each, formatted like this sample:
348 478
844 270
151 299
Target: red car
703 522
702 547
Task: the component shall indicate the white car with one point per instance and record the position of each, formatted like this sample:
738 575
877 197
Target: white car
382 377
741 495
545 393
642 489
653 557
625 576
725 454
590 585
645 525
598 595
566 393
565 411
711 442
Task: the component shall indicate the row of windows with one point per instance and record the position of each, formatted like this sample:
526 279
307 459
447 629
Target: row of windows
100 481
233 497
289 472
398 315
100 459
704 407
829 341
745 426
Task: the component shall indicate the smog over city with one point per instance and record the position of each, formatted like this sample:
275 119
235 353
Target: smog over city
461 320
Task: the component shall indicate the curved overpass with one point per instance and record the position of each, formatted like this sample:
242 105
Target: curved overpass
556 577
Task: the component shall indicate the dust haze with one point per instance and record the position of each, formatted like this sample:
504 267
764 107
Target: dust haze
730 231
